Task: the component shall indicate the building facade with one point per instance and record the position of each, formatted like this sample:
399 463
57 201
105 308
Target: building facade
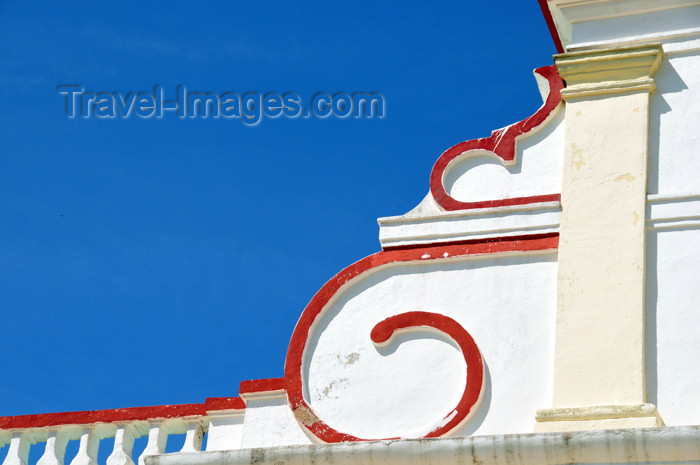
539 305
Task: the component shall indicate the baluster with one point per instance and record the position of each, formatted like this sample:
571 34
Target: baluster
55 450
18 453
123 446
193 438
87 452
157 437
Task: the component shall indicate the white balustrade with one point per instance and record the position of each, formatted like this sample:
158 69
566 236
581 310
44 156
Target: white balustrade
157 438
18 453
123 446
56 439
193 437
55 449
87 452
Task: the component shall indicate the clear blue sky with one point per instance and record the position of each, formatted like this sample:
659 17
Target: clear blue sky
150 262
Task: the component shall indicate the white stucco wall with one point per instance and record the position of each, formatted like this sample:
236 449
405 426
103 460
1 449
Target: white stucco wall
673 319
506 303
633 26
673 238
225 430
674 136
269 422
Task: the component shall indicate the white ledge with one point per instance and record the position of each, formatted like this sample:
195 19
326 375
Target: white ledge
482 223
598 412
681 41
677 211
642 445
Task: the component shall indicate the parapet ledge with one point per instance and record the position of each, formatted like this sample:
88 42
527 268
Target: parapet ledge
259 389
428 224
668 445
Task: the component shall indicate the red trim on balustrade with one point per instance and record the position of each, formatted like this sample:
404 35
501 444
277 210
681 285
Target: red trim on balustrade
547 13
502 144
261 385
224 403
120 414
293 365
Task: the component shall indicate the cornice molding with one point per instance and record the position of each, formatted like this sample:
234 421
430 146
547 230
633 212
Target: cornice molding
595 72
618 20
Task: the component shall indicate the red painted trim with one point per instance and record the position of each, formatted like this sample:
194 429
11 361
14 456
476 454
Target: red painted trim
120 414
547 13
224 403
293 364
383 331
529 237
452 204
502 144
261 385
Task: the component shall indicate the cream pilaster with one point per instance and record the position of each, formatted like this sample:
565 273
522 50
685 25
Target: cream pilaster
599 378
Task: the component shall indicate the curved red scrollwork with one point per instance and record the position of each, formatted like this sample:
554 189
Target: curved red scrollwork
385 330
382 333
293 378
502 144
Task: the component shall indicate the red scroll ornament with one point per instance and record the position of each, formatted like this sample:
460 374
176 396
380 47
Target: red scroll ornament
502 144
382 332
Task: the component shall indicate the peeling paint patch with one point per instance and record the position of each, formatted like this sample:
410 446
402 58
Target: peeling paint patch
625 177
333 384
447 419
305 416
577 160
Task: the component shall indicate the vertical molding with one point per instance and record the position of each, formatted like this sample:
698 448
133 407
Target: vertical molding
599 347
